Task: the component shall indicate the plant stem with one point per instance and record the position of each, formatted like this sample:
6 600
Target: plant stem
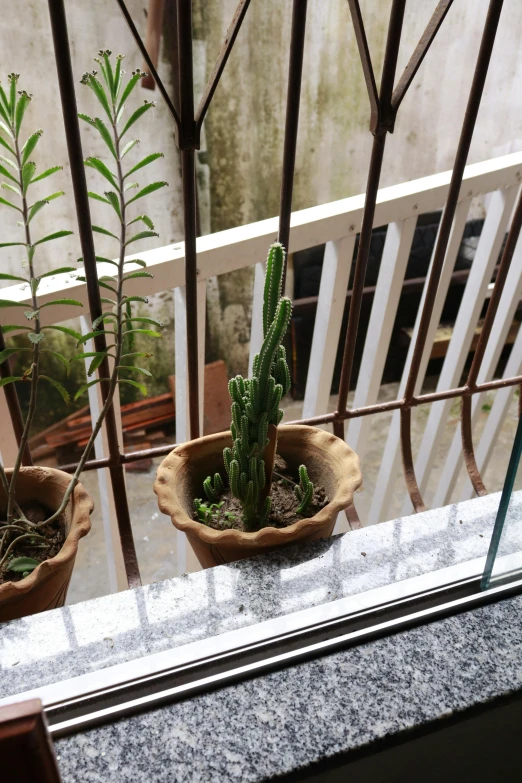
36 347
119 340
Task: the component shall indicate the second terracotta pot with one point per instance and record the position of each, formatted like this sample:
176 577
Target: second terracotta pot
330 463
46 587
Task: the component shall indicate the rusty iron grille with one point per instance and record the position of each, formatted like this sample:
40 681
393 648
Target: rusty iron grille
384 104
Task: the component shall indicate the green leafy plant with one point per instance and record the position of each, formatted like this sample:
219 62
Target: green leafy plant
118 321
256 414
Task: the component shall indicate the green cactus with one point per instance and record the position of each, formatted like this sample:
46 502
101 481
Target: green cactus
256 413
304 492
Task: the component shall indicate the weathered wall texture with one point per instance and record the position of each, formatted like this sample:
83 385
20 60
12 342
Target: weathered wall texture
239 172
246 122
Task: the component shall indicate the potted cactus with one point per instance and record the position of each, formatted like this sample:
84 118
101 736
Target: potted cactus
265 486
44 512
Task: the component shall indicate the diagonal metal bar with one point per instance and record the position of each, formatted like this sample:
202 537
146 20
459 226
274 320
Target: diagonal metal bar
221 61
366 62
379 140
74 147
153 38
293 100
420 52
466 134
143 49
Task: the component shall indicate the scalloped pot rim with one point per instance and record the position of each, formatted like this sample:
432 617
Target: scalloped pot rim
48 486
335 452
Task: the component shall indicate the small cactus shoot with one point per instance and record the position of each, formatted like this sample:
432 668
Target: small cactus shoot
256 413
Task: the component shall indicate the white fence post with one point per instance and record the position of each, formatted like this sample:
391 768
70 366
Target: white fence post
396 252
327 328
390 461
186 560
115 561
497 338
486 256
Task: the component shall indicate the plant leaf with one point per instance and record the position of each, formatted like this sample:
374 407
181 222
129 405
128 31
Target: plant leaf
5 276
137 274
99 165
83 339
86 118
29 145
142 235
98 90
7 352
86 386
7 146
65 330
88 355
137 261
21 564
12 188
137 299
63 391
136 115
100 230
97 196
60 271
143 331
144 162
10 379
7 174
117 75
128 147
37 206
133 368
10 303
56 235
131 84
14 328
130 186
36 338
28 170
145 320
9 204
97 360
106 136
21 106
114 202
9 163
59 356
103 317
135 353
62 302
111 288
46 173
145 219
140 386
148 189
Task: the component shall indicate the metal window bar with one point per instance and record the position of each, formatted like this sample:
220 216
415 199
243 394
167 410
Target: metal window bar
384 105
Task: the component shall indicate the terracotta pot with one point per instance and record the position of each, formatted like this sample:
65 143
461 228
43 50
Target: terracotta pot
46 587
180 476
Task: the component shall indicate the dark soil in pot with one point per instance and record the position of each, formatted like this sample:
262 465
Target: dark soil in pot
226 515
54 534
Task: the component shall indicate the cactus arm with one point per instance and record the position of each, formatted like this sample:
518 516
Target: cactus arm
273 282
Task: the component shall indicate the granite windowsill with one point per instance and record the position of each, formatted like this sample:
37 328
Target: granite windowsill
285 721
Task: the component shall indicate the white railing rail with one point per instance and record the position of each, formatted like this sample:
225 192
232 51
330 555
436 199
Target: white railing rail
335 225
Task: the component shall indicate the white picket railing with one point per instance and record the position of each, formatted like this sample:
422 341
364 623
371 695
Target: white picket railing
336 225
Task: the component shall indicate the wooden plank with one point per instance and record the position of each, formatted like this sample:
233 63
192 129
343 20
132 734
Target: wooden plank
396 252
8 442
464 331
382 496
327 328
508 304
